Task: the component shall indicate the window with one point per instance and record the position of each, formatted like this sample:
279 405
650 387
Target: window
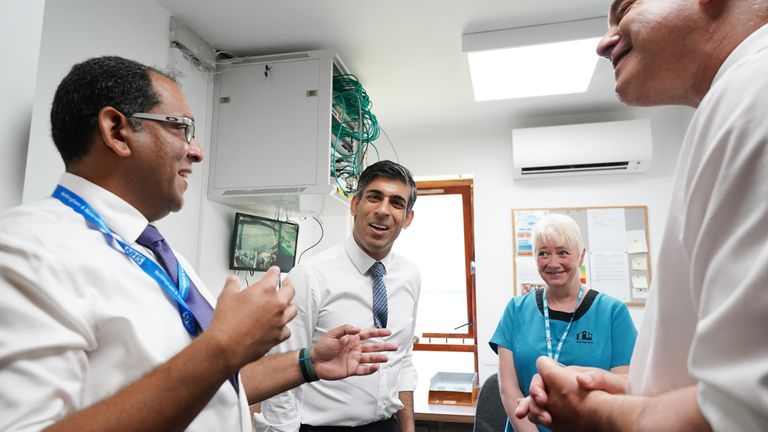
441 242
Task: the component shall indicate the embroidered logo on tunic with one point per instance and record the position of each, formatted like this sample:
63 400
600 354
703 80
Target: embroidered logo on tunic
584 337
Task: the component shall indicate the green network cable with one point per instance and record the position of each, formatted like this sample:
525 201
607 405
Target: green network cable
357 128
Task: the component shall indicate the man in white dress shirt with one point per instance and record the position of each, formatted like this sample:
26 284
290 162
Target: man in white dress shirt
701 360
340 284
99 332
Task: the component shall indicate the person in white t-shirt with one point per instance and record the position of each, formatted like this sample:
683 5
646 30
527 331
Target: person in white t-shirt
701 360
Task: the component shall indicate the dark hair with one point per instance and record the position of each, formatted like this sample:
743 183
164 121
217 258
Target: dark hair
90 86
392 171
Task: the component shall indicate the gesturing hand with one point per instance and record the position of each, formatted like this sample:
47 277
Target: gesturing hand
248 323
340 353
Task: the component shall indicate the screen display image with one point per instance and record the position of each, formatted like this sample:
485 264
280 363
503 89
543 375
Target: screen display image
259 243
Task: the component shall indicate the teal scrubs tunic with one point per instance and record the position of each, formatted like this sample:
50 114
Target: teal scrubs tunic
602 334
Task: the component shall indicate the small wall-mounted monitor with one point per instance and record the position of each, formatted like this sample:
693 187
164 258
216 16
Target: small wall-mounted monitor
259 243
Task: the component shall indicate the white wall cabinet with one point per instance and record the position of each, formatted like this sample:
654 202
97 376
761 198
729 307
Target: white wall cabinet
270 143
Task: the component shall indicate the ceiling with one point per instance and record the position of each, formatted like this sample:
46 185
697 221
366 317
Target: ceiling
406 53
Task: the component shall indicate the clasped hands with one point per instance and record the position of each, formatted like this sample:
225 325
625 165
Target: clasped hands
561 397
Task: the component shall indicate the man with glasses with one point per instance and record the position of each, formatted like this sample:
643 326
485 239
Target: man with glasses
102 325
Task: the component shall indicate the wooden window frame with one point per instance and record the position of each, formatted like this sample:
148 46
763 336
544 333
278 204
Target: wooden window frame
465 188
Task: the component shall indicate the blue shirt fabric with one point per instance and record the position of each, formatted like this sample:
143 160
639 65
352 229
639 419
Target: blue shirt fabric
590 342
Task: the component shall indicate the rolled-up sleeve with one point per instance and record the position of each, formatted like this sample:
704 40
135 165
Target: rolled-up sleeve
42 342
281 412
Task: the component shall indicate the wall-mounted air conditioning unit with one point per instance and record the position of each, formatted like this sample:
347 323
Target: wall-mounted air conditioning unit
589 148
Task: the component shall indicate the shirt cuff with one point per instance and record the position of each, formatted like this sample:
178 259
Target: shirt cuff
408 380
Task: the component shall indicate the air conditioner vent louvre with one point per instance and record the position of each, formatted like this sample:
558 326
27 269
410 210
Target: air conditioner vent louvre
603 166
264 191
615 147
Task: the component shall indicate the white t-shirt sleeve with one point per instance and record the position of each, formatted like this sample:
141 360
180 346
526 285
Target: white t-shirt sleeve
729 254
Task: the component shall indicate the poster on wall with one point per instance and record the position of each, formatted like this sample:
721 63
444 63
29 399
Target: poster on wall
523 226
528 278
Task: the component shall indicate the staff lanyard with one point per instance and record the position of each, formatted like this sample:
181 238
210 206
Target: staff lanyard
151 268
567 328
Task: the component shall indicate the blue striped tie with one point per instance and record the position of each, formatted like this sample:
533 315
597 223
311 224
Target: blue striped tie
380 311
151 239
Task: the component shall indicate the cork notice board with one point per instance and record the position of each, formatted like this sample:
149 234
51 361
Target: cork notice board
617 262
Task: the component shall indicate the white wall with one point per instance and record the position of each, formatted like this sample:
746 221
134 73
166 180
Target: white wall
72 32
484 150
21 22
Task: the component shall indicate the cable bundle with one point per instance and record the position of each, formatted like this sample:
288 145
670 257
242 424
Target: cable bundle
354 129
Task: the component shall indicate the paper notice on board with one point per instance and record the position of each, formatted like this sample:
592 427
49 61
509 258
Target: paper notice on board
610 274
607 230
636 242
528 277
639 281
640 293
584 275
524 222
639 263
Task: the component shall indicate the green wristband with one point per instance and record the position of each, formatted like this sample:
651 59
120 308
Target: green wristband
305 364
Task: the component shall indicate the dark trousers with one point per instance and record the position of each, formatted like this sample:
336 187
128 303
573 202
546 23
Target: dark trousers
388 425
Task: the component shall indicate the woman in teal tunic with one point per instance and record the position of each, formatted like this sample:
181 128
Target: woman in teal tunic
566 321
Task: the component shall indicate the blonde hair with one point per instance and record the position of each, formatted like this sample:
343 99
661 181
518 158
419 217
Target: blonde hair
558 229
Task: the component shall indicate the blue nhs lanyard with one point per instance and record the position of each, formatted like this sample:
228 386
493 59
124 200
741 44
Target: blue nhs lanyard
151 268
567 329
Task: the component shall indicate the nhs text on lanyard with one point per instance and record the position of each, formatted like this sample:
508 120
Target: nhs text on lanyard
567 329
151 268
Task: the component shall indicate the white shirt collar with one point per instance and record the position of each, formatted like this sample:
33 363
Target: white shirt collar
361 260
755 42
122 218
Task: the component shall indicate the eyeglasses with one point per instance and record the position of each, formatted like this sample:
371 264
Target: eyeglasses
189 124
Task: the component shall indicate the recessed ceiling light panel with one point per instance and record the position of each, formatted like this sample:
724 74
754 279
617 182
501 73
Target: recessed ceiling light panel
538 60
534 70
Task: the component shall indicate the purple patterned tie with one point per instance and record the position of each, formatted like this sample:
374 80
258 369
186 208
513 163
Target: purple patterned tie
198 305
380 312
